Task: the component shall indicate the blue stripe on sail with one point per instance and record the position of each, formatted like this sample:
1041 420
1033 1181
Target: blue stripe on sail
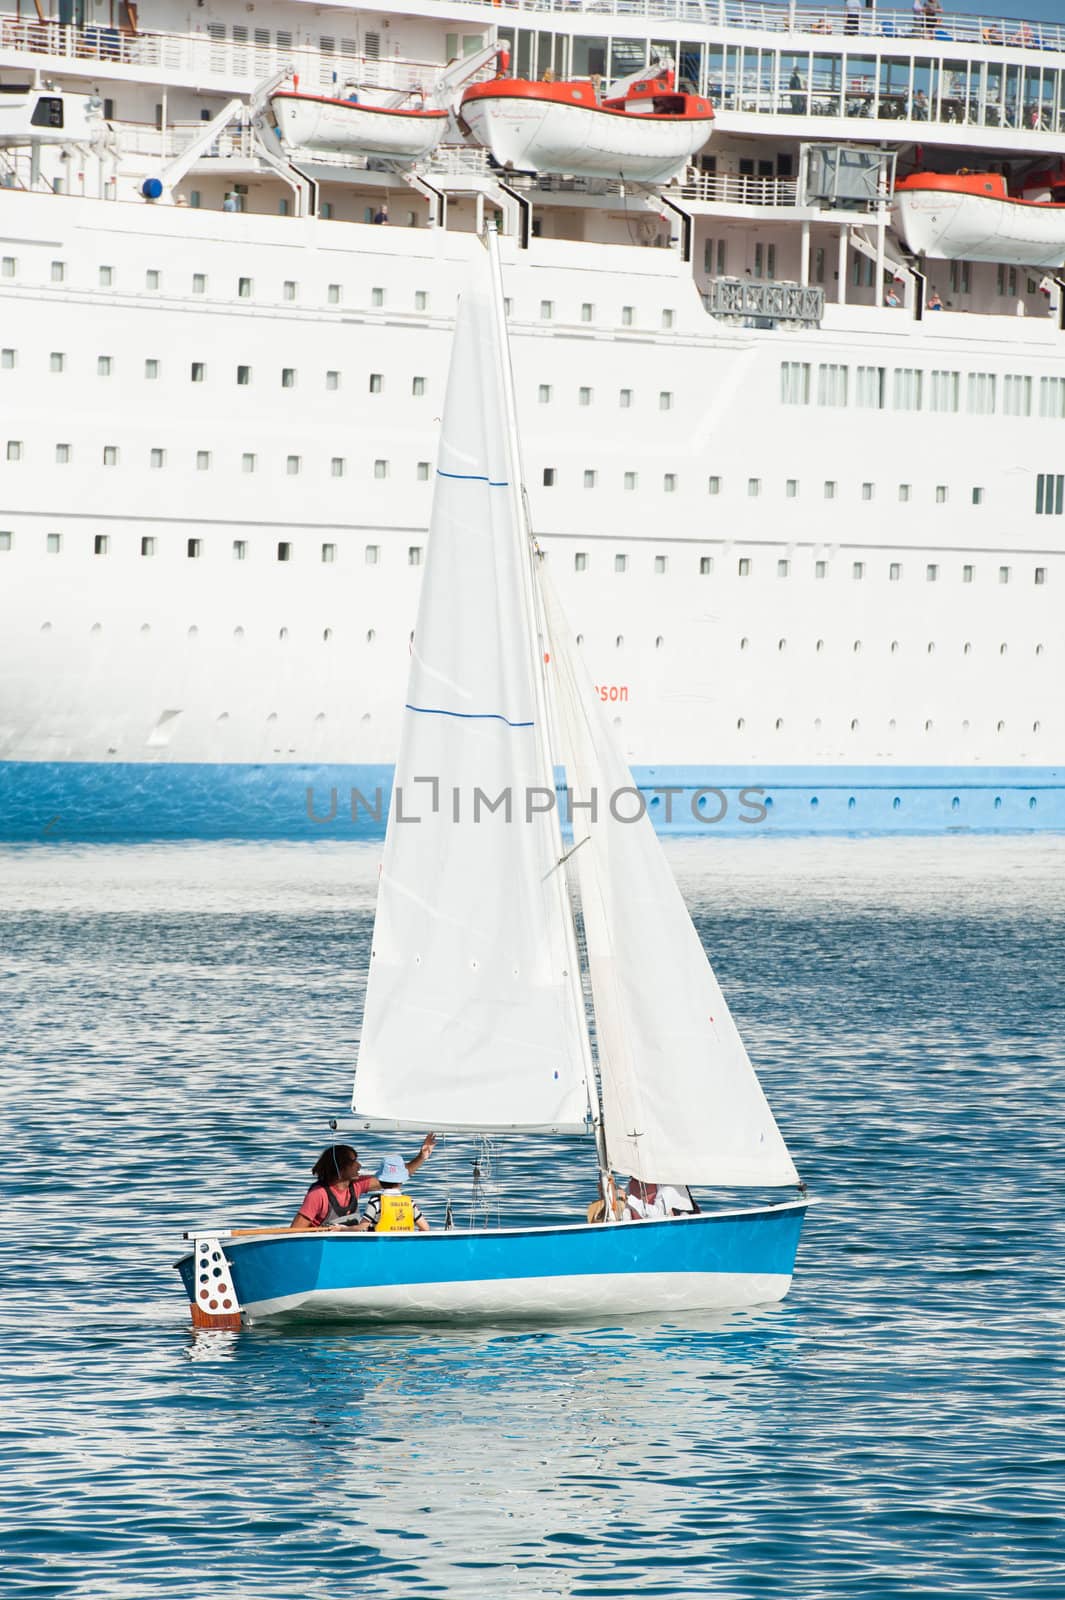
474 477
468 716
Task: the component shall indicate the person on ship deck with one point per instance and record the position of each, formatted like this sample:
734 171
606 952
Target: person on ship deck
333 1199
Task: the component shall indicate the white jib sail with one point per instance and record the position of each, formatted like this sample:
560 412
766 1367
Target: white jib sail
681 1102
471 1018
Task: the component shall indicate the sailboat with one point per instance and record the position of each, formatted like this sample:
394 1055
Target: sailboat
476 1020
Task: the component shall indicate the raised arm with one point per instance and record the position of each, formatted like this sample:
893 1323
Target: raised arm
424 1153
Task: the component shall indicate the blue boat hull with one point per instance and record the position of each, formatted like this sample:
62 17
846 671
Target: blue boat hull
711 1261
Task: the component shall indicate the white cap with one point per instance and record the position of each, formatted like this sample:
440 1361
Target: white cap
393 1170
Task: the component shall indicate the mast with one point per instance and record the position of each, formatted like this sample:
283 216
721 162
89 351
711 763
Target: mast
516 483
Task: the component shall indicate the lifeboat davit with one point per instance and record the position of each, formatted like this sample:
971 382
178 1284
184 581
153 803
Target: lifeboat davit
647 134
971 216
357 126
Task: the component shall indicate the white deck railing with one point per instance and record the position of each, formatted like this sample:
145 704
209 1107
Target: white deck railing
732 14
247 62
729 189
239 63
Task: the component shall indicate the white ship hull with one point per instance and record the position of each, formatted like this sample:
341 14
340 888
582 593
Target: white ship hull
550 137
339 127
969 227
191 691
815 557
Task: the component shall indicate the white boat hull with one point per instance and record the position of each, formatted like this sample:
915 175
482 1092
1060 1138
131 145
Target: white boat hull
970 227
534 1299
339 127
550 137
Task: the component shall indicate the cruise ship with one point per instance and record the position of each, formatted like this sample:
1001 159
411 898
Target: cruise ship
785 297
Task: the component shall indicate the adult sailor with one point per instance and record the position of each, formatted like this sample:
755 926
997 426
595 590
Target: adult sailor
333 1199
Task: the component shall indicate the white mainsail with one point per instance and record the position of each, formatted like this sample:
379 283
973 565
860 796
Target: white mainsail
681 1102
473 1011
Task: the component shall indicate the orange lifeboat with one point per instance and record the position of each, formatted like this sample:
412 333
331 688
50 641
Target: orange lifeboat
971 216
647 134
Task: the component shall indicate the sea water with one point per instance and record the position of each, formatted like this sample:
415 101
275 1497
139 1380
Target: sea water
179 1023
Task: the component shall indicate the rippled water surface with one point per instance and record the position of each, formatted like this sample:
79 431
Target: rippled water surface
177 1025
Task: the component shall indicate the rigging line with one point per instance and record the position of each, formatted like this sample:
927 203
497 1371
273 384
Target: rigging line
467 716
561 862
474 477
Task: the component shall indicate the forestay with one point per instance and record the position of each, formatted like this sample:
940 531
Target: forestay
681 1102
471 1019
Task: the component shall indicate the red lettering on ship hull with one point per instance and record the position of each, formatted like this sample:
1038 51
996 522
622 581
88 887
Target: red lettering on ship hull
612 691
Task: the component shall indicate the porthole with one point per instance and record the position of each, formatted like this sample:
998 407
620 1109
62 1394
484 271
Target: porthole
194 632
580 638
998 802
659 642
814 802
1031 802
371 635
146 627
319 718
894 647
272 717
238 633
857 647
817 724
1036 727
1039 649
955 804
854 724
896 804
740 724
965 726
931 649
327 634
97 627
282 634
744 643
365 718
819 646
929 725
619 641
46 627
966 649
1000 727
782 644
1002 649
892 724
223 716
851 803
779 724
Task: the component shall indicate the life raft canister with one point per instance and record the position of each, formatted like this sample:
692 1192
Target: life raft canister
397 1214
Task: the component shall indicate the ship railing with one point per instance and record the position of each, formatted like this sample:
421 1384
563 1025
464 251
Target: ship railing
784 18
764 304
738 189
240 63
140 139
457 160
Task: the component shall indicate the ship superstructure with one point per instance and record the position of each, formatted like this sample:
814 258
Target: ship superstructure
800 485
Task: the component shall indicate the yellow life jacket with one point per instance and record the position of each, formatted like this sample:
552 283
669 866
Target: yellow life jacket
397 1213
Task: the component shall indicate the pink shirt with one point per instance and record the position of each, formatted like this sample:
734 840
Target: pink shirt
315 1206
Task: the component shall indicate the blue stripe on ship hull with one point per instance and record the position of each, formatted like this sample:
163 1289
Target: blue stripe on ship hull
278 1267
115 801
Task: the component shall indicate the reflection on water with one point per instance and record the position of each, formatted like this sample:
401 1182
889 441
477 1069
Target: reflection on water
180 1022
